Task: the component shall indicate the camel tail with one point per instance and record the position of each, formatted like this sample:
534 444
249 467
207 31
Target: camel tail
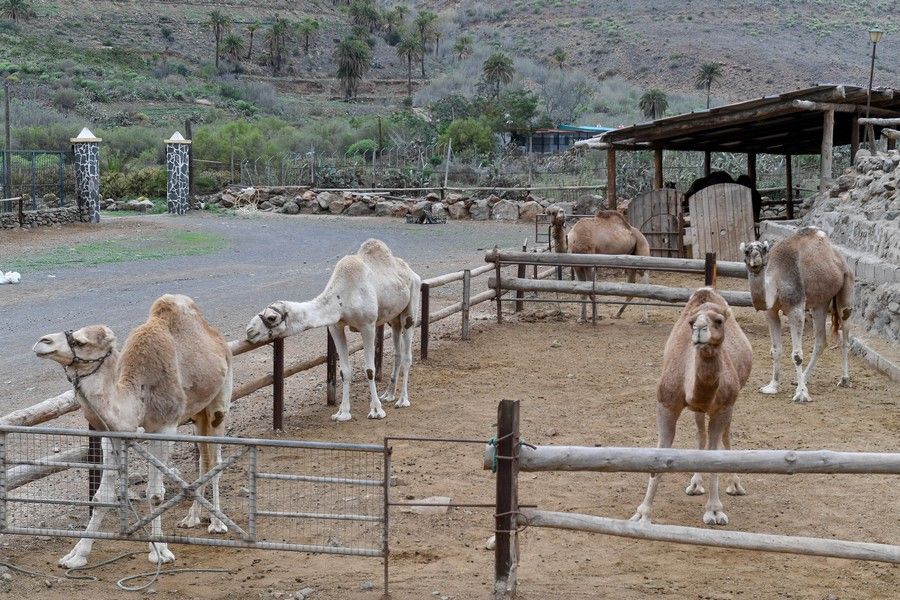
835 317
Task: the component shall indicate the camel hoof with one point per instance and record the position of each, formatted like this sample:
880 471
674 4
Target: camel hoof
769 389
376 413
189 522
217 526
844 382
402 403
160 553
644 322
73 560
341 416
386 398
640 517
694 489
801 397
736 489
715 517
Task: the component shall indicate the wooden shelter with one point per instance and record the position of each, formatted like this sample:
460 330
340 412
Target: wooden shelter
807 121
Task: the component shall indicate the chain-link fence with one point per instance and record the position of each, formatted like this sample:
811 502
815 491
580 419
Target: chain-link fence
43 178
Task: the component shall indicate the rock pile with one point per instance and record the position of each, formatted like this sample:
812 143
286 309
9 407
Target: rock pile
43 217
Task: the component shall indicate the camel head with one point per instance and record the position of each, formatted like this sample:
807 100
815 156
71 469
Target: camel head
756 254
269 324
708 326
557 217
81 350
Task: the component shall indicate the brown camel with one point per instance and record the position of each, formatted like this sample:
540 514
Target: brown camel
607 233
706 362
558 240
801 272
173 369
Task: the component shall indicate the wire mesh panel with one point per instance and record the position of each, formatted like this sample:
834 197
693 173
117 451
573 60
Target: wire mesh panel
273 494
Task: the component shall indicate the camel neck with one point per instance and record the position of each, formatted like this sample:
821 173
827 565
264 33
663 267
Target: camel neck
560 243
106 402
758 289
321 311
708 364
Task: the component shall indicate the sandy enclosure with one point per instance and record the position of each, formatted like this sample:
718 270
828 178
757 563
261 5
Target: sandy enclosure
581 385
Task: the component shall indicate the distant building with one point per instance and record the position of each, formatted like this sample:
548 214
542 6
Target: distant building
560 139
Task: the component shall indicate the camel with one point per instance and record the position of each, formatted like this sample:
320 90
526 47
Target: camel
366 289
801 272
607 233
173 369
706 362
558 240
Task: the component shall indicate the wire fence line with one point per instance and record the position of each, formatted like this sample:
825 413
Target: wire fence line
43 178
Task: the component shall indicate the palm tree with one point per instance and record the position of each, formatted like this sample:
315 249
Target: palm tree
251 29
394 18
497 70
558 57
275 37
708 74
653 104
15 9
364 13
353 57
425 25
307 27
233 45
219 24
409 49
463 46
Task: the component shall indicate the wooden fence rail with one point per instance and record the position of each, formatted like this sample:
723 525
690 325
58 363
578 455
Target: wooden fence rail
616 261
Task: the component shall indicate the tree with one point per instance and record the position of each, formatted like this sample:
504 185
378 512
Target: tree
353 57
470 137
307 27
364 13
276 37
15 9
463 46
497 70
219 23
653 104
233 45
409 49
394 18
558 57
251 29
425 26
708 74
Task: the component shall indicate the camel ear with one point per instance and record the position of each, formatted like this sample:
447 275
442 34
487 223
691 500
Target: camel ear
108 336
728 313
743 246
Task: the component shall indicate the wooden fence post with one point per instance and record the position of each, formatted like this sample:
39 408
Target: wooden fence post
466 298
506 550
710 270
497 289
95 455
379 350
278 384
424 316
593 295
520 273
330 371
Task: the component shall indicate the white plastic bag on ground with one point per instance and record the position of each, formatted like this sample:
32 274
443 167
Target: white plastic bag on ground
10 277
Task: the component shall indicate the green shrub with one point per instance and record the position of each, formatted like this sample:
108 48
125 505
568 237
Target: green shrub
209 182
470 136
365 148
114 184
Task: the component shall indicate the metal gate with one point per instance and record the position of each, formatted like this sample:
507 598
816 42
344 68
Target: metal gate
35 174
658 215
319 497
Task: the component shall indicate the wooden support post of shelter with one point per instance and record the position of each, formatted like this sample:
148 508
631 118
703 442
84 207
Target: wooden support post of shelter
506 550
330 370
612 200
827 149
707 162
854 137
751 167
658 169
789 184
424 315
278 384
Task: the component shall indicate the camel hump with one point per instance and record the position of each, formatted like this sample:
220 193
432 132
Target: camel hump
173 307
375 249
613 216
809 232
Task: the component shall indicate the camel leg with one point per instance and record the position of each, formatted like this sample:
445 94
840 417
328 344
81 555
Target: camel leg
406 362
845 306
845 351
818 316
734 488
714 513
106 492
368 337
159 551
695 488
632 277
388 395
796 318
193 517
665 426
775 333
340 343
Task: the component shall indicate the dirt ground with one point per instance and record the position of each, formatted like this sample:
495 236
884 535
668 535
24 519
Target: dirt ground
581 385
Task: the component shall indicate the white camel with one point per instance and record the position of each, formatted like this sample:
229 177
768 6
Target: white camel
173 369
366 289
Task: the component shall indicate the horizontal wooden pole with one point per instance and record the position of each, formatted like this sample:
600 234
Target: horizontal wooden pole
18 476
891 134
241 346
880 122
618 261
457 276
43 411
678 460
445 312
638 290
807 546
845 108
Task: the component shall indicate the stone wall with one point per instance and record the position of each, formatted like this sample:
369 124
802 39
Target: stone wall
44 217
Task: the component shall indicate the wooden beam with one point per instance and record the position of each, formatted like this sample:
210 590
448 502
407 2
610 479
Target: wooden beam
879 122
724 268
658 169
891 134
707 162
612 200
19 475
846 108
765 542
42 411
789 184
827 150
854 137
507 544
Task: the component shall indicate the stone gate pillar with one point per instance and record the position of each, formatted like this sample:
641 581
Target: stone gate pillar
86 148
178 167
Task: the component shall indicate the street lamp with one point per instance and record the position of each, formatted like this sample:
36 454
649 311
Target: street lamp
874 35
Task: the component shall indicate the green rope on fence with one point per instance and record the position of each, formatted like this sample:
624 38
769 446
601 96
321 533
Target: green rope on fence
493 443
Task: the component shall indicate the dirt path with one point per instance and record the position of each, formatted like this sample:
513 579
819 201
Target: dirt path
595 386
